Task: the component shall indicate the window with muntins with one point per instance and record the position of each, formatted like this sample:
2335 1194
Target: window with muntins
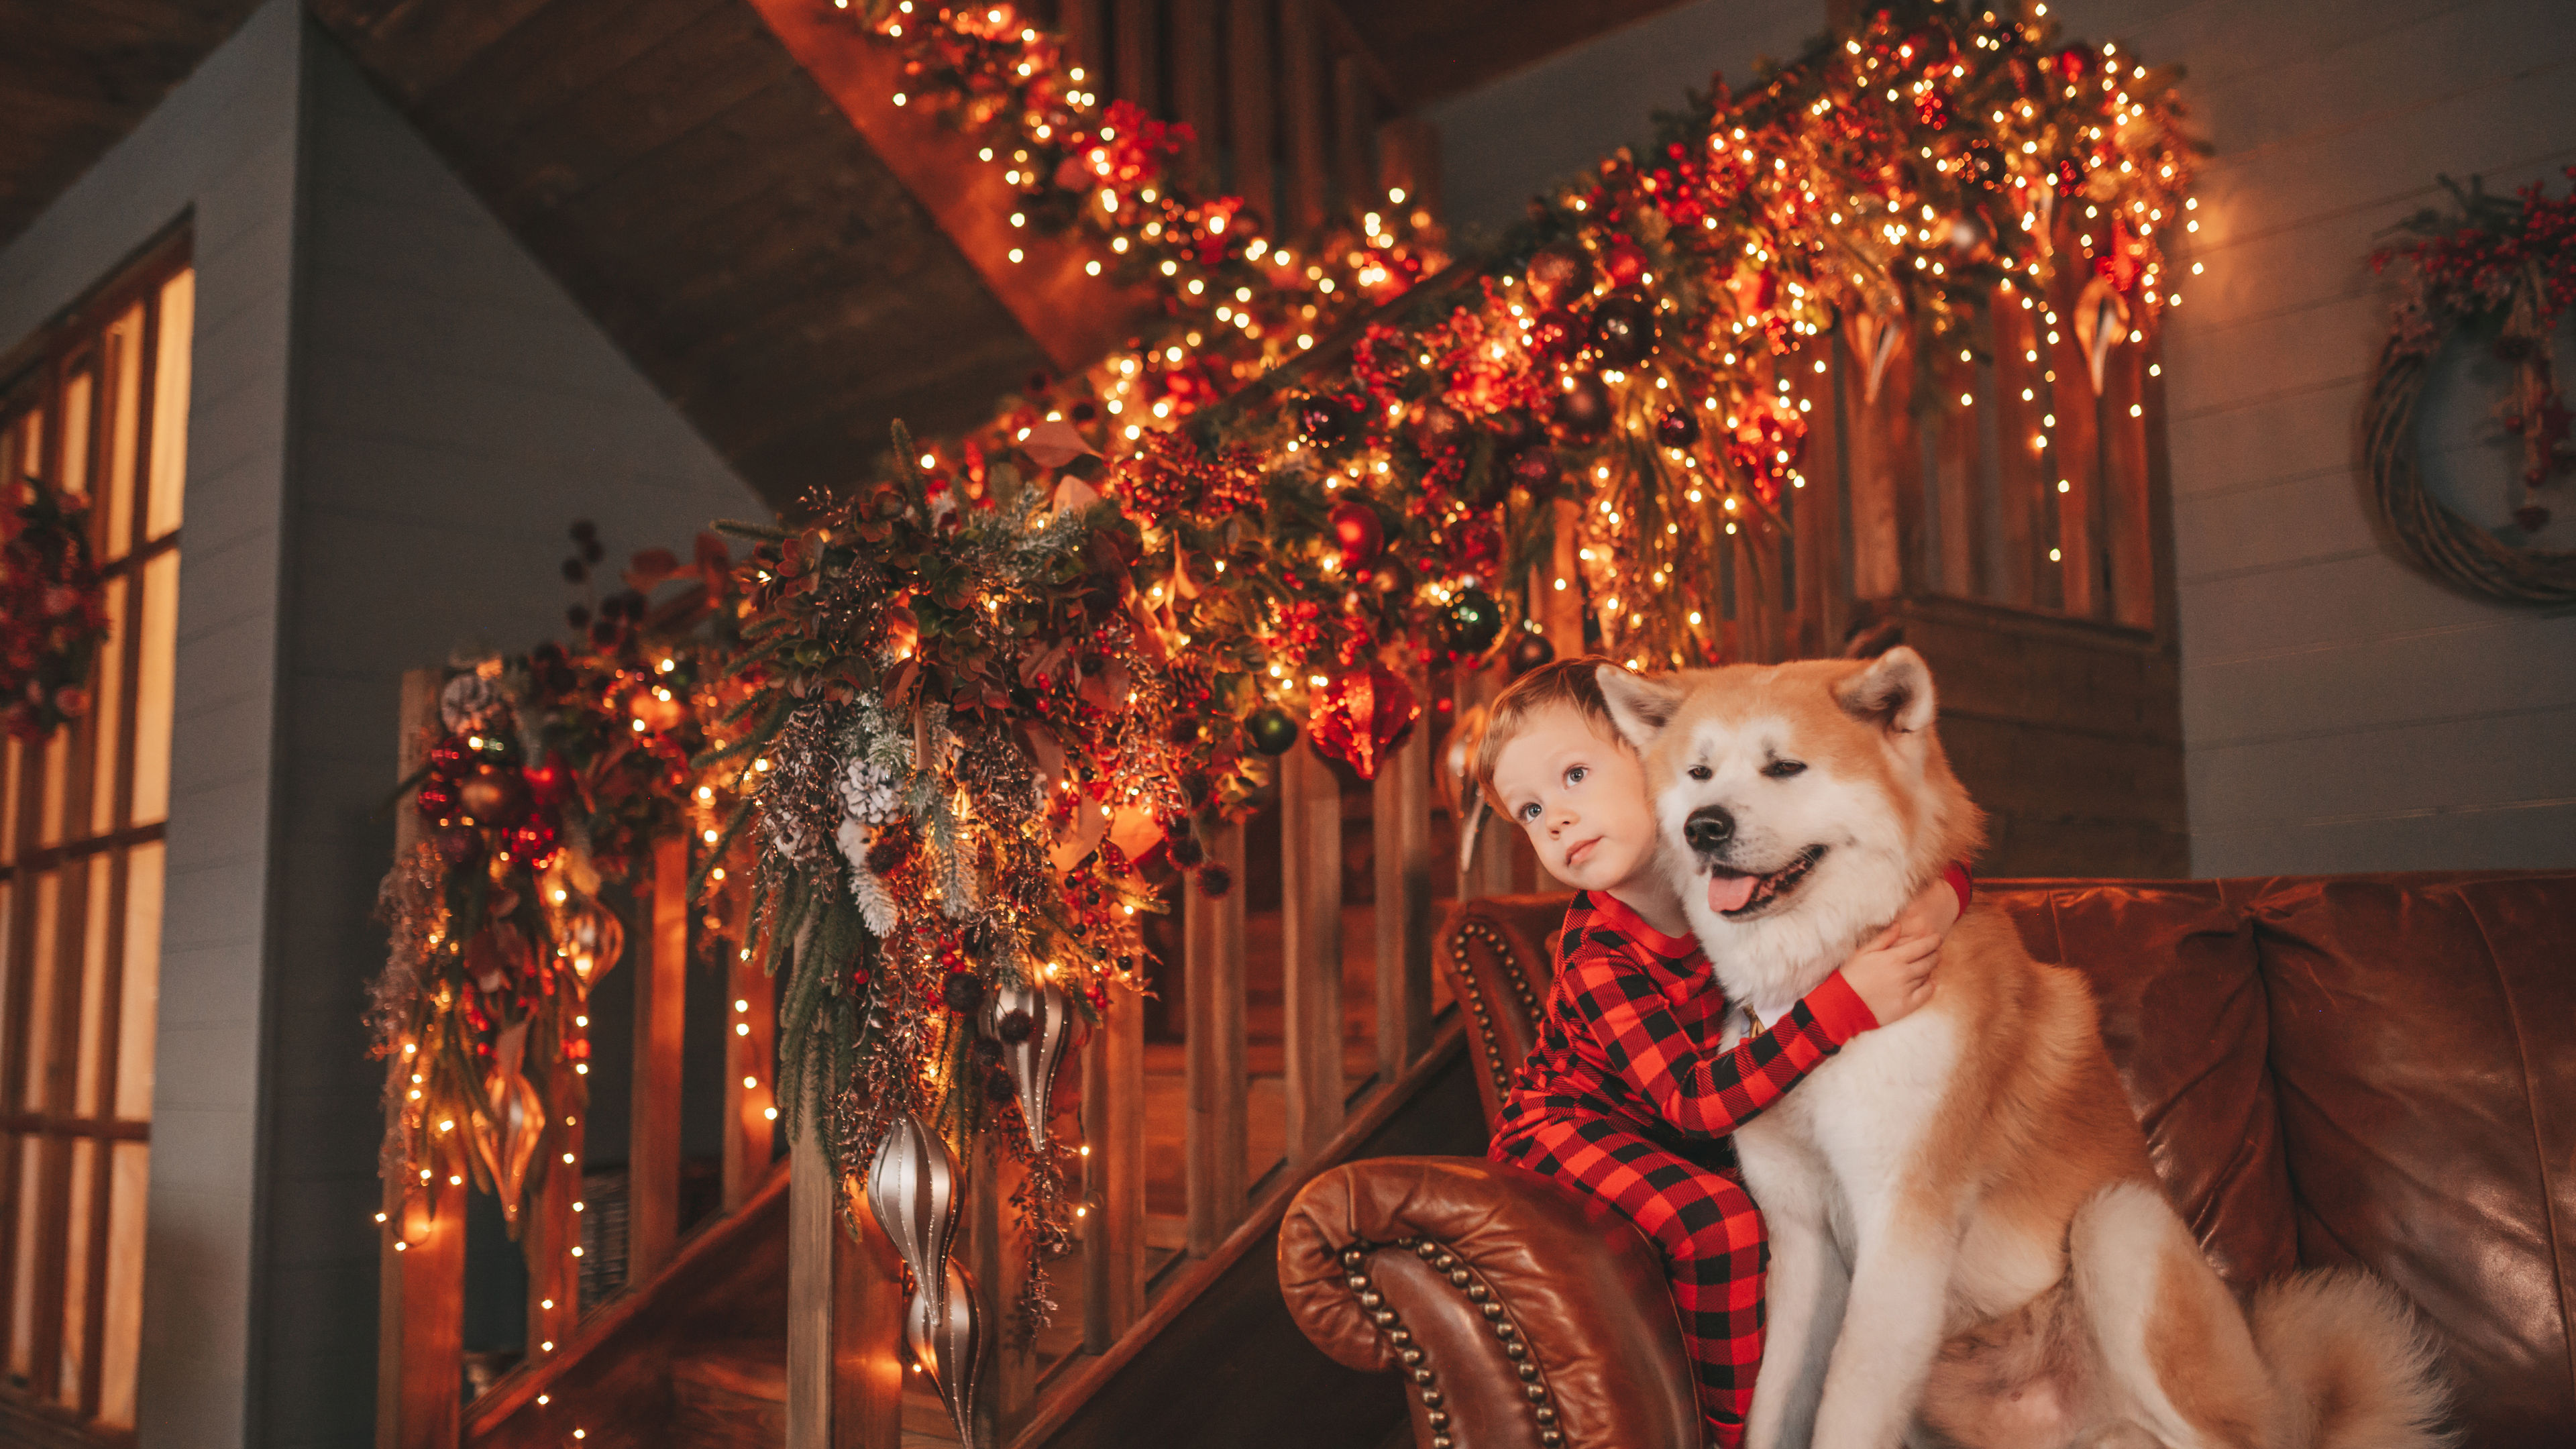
101 410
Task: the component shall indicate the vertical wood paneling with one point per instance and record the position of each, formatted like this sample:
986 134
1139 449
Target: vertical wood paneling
551 1230
2021 469
1408 159
1885 466
1214 1065
1815 515
1197 92
1248 106
1139 27
1310 856
1085 27
661 997
1307 98
1956 479
1489 871
2075 449
1355 185
2126 518
750 1054
1400 817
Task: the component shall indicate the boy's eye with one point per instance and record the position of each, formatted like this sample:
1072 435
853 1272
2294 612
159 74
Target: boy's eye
1574 774
1529 811
1783 769
1700 772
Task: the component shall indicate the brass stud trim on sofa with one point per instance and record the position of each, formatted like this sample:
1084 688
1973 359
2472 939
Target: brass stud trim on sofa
1490 1048
1417 1362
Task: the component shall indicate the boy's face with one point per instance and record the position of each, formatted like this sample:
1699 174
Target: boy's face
1581 796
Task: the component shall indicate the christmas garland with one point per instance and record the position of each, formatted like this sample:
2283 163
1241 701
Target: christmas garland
550 778
2493 266
53 609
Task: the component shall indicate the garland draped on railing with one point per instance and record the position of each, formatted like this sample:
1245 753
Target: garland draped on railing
973 695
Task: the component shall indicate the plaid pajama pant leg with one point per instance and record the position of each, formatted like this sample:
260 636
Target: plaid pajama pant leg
1710 1235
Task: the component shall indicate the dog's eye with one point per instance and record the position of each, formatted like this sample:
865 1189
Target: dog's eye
1783 769
1701 772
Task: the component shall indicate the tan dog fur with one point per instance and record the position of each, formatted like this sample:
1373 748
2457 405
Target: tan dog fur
1969 1244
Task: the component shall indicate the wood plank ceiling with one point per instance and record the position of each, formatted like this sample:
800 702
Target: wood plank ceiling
77 75
695 189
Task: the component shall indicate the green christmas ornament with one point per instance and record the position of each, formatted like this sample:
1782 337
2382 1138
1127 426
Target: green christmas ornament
1475 621
1271 729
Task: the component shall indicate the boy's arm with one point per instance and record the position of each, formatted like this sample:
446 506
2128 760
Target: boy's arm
1705 1093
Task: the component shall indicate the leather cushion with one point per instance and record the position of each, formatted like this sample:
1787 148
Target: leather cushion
2424 1040
2174 975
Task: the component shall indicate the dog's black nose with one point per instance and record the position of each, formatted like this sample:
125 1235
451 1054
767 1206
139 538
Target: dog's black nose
1710 827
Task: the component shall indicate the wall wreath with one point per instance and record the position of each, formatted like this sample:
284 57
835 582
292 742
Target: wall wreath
52 608
2503 265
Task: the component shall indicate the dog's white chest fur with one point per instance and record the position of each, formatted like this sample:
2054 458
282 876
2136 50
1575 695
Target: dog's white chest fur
1840 1143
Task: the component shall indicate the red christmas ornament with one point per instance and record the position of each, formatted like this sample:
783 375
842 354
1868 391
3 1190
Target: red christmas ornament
1555 333
1557 273
1358 532
1361 716
1624 261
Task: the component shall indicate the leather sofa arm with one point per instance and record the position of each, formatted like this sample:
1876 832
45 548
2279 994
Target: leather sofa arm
1520 1321
1496 952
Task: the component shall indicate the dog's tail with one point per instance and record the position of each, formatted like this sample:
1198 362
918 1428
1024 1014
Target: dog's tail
2352 1368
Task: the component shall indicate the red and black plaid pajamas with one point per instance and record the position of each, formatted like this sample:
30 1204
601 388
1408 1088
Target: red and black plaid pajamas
1627 1098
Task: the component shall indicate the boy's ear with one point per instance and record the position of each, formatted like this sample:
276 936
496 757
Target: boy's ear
1641 707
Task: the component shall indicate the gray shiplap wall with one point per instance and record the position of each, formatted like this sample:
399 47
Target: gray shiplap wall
223 146
395 414
2340 711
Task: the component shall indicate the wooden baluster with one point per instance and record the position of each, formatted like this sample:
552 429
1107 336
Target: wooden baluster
1557 599
2160 530
1956 479
1139 36
1085 27
1408 159
1400 821
1214 1067
1489 872
1886 469
1197 97
2076 443
1000 1266
1354 127
420 1279
1113 1126
750 1055
1824 595
2127 530
552 1231
1310 939
1249 106
653 1150
2021 468
1303 86
844 1315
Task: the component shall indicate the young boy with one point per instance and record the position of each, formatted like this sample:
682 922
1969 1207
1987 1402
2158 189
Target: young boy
1627 1097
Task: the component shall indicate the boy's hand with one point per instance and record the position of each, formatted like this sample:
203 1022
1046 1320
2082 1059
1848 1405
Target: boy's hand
1933 912
1893 973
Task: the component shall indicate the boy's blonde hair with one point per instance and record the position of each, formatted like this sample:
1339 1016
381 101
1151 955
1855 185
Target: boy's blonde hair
1573 683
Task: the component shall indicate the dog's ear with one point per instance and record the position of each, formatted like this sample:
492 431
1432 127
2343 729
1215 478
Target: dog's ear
1641 707
1894 692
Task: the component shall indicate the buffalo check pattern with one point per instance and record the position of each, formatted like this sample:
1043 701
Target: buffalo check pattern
1628 1098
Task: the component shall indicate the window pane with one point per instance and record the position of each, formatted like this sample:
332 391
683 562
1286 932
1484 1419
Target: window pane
170 405
40 1001
49 815
76 1272
124 1284
93 989
78 391
11 763
22 1314
157 637
110 676
137 1019
125 364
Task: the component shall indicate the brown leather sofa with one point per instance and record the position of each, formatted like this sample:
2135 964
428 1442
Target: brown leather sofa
2373 1070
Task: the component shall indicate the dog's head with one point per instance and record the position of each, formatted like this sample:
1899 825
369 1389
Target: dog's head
1802 805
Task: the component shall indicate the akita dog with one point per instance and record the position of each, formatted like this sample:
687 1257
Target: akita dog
1968 1243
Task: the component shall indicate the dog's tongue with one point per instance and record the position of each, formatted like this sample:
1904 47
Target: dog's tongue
1729 892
